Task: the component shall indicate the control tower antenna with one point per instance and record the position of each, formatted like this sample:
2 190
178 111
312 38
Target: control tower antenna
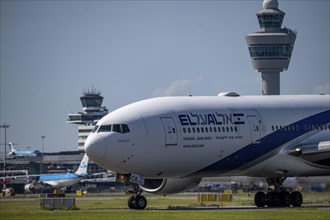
271 47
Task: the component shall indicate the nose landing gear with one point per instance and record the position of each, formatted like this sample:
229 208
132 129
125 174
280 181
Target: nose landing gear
136 201
279 197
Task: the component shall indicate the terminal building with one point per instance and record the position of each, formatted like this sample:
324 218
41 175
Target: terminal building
92 112
271 47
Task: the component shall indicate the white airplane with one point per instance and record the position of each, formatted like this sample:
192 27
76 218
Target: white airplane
22 153
59 180
168 144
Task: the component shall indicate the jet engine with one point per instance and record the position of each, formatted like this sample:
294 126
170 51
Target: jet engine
318 152
33 187
169 186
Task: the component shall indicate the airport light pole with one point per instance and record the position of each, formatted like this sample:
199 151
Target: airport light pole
5 126
42 153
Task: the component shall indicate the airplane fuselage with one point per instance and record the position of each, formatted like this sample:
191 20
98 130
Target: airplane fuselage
171 137
60 180
25 153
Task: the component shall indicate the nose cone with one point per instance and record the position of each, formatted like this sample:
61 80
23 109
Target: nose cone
95 147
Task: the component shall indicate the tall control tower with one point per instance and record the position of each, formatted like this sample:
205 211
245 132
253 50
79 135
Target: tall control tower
271 47
92 112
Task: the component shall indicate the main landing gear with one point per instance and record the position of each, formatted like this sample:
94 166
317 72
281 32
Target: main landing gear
279 196
136 201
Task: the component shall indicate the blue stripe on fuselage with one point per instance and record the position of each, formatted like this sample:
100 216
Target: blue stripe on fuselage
267 144
63 176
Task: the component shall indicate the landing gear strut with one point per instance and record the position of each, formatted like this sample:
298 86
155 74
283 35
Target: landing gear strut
136 201
279 196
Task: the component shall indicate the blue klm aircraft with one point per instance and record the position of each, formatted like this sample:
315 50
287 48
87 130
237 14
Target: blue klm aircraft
59 180
22 153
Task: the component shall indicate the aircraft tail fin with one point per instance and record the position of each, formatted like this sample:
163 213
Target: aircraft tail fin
82 170
12 149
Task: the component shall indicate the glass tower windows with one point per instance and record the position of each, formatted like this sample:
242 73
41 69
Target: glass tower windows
278 51
270 20
91 101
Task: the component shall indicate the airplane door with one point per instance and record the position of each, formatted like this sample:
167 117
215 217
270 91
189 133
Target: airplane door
171 134
254 129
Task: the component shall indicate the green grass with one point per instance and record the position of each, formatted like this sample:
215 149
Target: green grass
301 214
114 206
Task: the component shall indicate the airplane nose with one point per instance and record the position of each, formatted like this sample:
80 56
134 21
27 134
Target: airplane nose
95 147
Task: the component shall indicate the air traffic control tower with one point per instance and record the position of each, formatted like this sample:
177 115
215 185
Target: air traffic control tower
93 111
271 47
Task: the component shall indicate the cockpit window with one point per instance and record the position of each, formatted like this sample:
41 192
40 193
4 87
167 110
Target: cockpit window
95 128
116 128
119 128
104 128
124 128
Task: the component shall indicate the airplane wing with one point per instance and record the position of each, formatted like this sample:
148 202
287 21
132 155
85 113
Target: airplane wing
24 176
53 184
15 177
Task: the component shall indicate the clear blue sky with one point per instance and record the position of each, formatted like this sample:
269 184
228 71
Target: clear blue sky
131 50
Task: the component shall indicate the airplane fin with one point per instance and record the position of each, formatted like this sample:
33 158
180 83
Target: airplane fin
82 170
12 149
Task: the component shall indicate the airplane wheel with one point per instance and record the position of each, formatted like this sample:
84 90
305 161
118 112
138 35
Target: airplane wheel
285 198
259 199
276 199
140 202
130 202
269 199
297 199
